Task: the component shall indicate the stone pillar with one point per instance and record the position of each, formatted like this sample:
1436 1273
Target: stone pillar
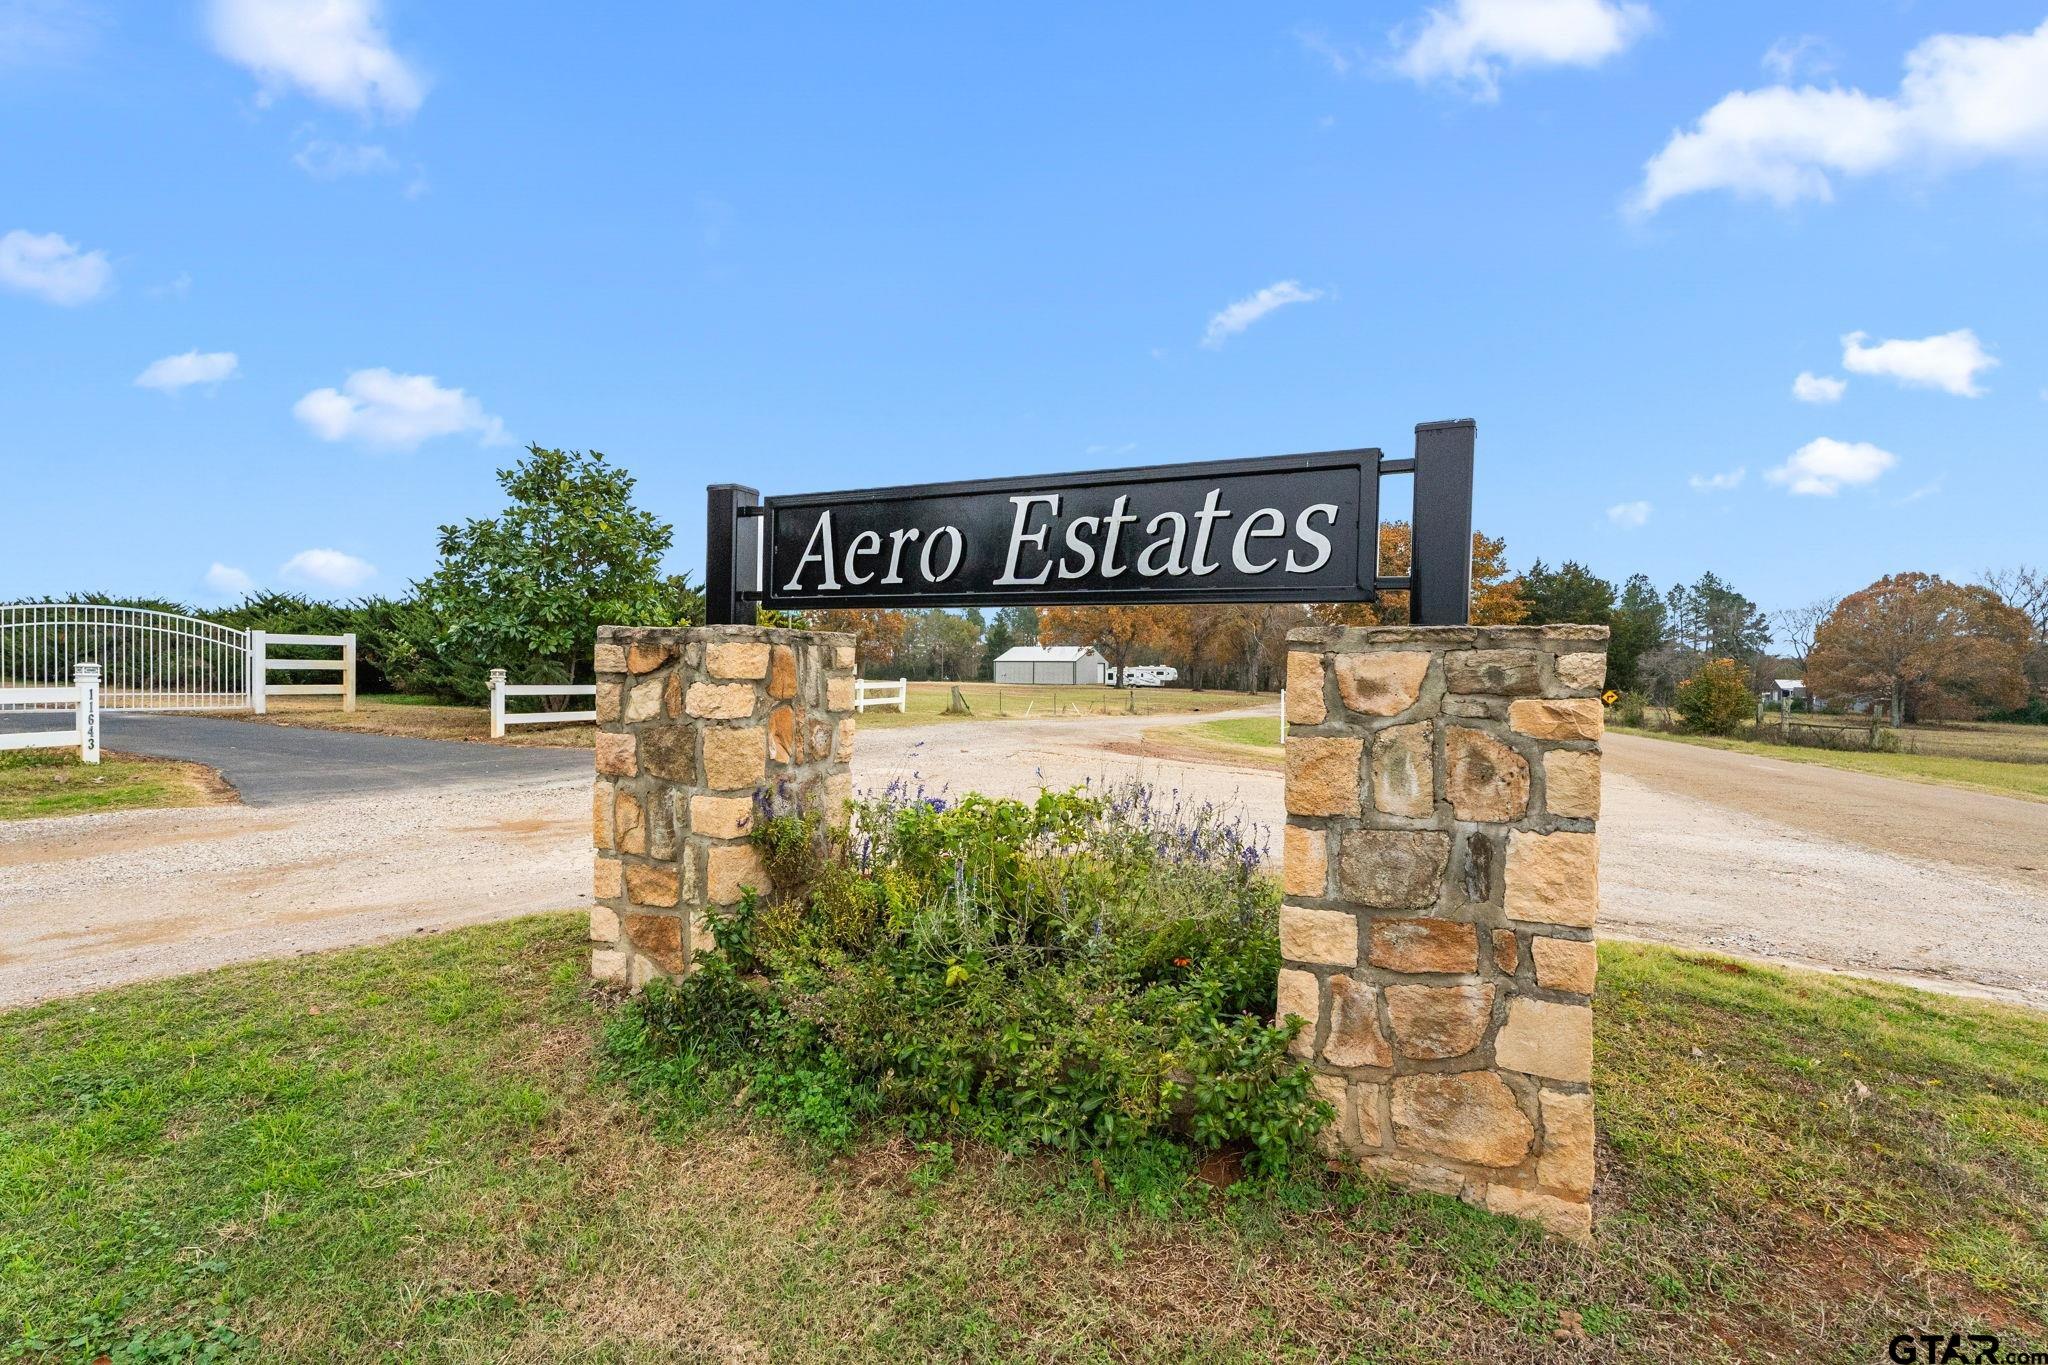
1440 876
698 728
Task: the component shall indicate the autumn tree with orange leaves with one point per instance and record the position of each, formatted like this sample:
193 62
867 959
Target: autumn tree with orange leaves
1118 632
1496 591
1924 648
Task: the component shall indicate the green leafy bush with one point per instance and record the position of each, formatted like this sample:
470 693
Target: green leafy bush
1717 699
1086 972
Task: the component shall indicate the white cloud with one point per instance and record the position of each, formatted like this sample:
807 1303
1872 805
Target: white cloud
175 372
1252 307
175 288
394 411
1629 514
229 581
1823 467
1340 59
1948 362
1789 57
1964 98
1719 483
1469 42
41 32
49 266
325 160
334 50
1818 388
327 569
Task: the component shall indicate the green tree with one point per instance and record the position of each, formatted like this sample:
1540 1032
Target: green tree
1572 594
526 590
1021 622
995 643
1635 627
1711 618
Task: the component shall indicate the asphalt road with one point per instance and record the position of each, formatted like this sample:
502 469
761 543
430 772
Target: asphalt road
279 765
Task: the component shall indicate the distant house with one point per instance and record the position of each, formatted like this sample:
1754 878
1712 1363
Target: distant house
1784 690
1059 665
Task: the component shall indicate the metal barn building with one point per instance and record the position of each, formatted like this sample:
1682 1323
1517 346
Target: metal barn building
1061 665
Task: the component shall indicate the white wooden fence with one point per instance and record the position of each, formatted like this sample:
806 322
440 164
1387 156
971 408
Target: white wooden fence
867 695
500 689
83 696
261 666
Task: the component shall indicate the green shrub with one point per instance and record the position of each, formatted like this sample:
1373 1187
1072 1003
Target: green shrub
1082 973
1630 708
1717 699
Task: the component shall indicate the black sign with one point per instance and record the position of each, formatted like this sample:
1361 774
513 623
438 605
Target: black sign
1289 528
1296 528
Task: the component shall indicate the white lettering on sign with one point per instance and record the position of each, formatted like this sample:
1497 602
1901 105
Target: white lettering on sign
1015 542
1019 538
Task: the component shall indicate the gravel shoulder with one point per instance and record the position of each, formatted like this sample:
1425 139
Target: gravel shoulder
1750 856
98 900
1730 852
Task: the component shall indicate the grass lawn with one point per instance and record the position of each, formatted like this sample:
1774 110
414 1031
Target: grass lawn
1004 701
411 1152
2026 780
39 782
1248 739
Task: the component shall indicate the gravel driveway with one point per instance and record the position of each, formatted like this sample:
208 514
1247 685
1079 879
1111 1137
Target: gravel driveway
383 837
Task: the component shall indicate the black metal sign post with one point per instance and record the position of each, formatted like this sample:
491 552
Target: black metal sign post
1289 528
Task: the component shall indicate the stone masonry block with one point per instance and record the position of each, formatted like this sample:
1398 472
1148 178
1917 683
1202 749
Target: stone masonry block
1565 718
1392 869
1553 878
782 672
1381 683
742 659
659 937
616 755
1564 964
1300 996
1495 672
1582 671
1323 775
1322 937
734 757
607 879
720 701
1404 770
669 752
1547 1040
1305 688
644 656
1485 779
1423 945
721 817
1304 862
654 884
1356 1038
729 869
1438 1022
1567 1160
1571 784
1464 1115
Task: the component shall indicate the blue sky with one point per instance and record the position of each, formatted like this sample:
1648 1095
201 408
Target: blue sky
279 295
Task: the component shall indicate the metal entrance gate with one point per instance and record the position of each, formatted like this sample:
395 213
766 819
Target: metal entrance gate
149 660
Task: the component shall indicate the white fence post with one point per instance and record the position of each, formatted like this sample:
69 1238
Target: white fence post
1283 714
497 703
86 677
348 672
903 696
259 672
